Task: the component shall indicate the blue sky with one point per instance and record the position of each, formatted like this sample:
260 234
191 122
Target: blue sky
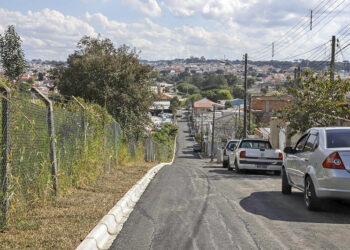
167 29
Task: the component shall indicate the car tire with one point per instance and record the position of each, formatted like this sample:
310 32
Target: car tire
277 173
237 169
312 202
224 164
286 188
229 166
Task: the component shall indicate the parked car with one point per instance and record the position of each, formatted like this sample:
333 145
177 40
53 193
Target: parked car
319 165
228 149
256 154
196 148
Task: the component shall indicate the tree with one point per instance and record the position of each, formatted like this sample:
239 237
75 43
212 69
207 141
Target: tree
228 104
11 54
113 78
237 91
318 102
174 104
250 82
187 88
264 90
40 76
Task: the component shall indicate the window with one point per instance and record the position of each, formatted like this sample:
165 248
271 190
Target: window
338 138
231 145
311 143
256 144
300 145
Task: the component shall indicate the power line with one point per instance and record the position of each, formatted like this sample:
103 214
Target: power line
284 37
300 35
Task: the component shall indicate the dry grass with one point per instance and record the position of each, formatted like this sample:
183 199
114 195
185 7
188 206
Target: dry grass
63 223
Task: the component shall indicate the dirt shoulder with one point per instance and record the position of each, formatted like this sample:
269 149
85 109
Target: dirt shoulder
64 223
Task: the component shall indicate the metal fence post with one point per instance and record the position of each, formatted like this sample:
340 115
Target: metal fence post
6 151
83 119
51 131
115 143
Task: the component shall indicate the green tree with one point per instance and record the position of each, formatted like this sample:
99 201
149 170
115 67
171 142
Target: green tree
264 90
224 94
187 88
40 76
174 104
250 82
237 91
228 104
11 54
318 102
113 78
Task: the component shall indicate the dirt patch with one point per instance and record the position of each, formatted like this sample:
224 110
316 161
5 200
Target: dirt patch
63 223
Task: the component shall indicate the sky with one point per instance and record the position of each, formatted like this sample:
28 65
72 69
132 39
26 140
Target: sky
169 29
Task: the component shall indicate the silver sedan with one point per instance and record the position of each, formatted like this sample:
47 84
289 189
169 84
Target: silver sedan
319 165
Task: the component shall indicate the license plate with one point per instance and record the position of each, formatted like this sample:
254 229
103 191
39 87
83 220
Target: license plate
261 166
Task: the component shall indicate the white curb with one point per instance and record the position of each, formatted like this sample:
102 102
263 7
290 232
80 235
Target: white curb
103 235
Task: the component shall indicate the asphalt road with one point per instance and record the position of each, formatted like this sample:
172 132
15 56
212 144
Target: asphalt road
195 204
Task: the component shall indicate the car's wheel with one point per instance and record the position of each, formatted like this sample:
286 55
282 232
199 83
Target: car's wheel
237 169
229 165
310 198
224 164
277 173
286 188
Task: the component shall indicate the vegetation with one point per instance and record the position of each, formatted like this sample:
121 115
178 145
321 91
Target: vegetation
11 54
112 78
318 102
165 138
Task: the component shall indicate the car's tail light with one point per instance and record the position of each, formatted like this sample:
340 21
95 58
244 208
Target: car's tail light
280 156
242 154
333 161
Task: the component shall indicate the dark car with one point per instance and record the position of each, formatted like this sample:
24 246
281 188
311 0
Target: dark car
196 148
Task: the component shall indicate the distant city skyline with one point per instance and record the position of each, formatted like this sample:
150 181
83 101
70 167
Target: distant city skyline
169 29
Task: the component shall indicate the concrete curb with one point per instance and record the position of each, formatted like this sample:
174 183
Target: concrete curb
103 235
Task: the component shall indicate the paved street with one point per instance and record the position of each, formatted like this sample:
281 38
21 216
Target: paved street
195 204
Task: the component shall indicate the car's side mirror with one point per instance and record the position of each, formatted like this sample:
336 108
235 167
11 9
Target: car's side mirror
289 150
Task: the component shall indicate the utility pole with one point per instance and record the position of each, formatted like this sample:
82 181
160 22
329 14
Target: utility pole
245 95
212 136
235 125
332 59
311 20
202 134
249 111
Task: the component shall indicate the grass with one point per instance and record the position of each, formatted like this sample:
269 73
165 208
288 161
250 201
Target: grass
64 222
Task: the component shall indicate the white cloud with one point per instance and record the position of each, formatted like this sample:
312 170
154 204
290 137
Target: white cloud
237 28
149 7
46 30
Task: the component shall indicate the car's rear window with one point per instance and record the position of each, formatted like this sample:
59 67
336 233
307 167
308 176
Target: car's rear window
231 144
338 138
256 144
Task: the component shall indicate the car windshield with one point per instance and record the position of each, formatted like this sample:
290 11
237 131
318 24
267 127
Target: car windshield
231 145
256 144
338 138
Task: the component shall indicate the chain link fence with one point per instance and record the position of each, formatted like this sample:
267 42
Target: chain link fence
48 147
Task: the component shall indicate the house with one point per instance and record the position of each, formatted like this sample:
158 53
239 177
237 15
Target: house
203 106
263 107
